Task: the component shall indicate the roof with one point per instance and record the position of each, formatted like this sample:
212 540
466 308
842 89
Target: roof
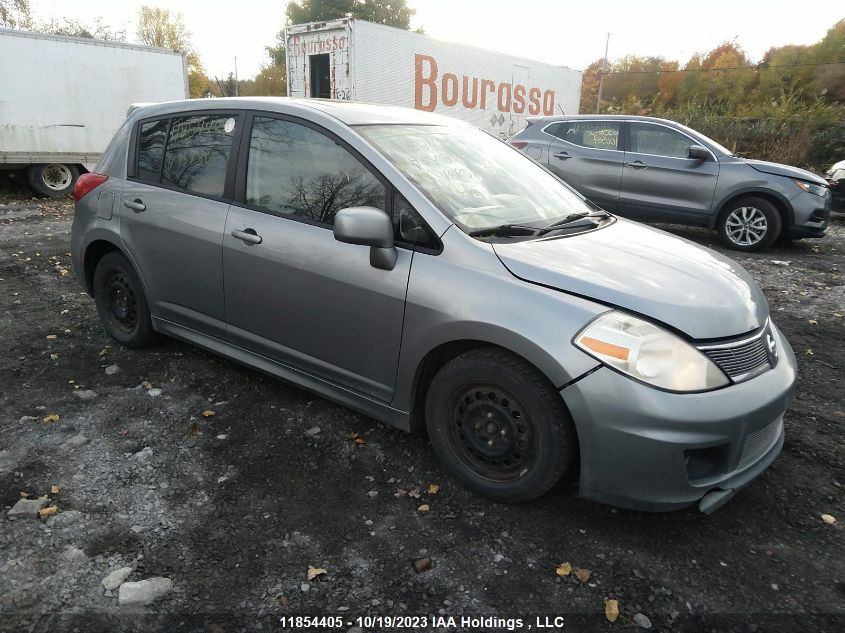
596 117
347 112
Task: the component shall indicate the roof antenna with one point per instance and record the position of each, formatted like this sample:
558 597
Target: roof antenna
561 110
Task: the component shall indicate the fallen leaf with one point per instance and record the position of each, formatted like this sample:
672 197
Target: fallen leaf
147 384
809 352
837 315
53 417
564 569
283 601
51 337
813 322
415 493
207 413
313 572
45 512
359 440
195 428
422 564
423 508
65 312
433 488
829 519
104 351
583 574
400 493
55 490
611 610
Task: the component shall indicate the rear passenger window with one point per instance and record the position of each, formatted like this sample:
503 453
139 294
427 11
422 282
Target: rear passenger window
593 134
197 153
151 139
296 171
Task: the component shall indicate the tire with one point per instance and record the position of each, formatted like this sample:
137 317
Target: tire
52 180
121 303
489 396
741 221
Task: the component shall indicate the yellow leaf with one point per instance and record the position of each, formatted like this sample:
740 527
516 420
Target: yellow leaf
583 574
353 435
104 351
564 569
829 519
359 440
424 508
313 572
611 610
53 417
55 490
837 315
45 512
207 413
433 488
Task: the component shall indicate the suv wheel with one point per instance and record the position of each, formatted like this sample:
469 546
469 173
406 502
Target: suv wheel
121 303
749 224
499 425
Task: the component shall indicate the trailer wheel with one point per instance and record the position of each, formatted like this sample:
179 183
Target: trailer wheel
52 179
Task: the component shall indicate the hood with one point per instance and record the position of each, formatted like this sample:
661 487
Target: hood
644 270
785 170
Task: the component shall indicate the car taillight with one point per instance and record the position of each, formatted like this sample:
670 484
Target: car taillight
519 144
87 183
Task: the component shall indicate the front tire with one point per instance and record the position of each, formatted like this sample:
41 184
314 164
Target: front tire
52 180
121 303
749 224
499 425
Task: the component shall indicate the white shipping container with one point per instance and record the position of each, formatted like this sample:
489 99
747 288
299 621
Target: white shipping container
355 60
63 98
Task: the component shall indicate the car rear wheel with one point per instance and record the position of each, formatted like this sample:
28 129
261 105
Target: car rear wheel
121 303
749 224
52 180
499 425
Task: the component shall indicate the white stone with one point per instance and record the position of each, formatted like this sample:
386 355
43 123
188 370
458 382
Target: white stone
642 621
144 591
27 508
85 394
116 578
111 370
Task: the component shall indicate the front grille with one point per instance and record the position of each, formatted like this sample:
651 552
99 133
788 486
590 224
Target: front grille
742 360
757 443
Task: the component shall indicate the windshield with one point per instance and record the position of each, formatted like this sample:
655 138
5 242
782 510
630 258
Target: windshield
475 179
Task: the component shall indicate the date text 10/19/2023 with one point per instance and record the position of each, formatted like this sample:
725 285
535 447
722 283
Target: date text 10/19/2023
411 622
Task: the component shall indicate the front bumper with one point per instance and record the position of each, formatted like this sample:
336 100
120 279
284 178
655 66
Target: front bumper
646 449
812 215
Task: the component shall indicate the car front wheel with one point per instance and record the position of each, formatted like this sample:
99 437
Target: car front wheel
749 224
499 425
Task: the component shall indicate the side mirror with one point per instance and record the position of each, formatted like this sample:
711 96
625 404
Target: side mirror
371 227
697 152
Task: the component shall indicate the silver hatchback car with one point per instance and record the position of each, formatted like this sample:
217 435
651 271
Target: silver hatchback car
424 273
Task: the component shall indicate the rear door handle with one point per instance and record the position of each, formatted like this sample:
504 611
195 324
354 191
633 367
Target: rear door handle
136 205
637 164
247 235
562 155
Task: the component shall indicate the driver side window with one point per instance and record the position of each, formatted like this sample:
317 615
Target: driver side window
658 141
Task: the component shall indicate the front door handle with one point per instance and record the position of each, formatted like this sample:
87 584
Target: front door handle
247 235
136 205
562 155
637 164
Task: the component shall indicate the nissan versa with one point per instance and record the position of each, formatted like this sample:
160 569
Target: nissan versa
420 271
658 170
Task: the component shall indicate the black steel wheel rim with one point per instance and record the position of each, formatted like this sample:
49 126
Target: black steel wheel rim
492 432
122 302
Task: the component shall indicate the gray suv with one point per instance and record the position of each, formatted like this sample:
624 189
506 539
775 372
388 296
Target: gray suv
417 270
661 171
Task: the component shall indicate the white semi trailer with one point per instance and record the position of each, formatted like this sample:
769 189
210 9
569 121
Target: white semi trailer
355 60
63 98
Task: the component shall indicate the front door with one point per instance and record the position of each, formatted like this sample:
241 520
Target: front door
293 293
172 216
588 156
660 182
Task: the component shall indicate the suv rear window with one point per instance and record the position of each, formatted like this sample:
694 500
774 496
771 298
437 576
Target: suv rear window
197 153
593 134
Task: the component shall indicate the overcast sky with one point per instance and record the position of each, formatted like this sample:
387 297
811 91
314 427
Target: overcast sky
568 33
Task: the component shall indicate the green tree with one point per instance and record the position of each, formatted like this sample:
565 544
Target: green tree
75 28
161 28
15 14
390 12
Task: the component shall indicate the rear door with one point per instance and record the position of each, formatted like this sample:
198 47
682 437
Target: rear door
588 155
293 293
660 182
173 213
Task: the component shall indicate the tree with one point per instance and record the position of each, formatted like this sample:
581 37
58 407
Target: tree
75 28
161 28
15 14
390 12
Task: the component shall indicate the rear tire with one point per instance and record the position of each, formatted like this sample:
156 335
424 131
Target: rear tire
52 180
499 425
121 303
749 224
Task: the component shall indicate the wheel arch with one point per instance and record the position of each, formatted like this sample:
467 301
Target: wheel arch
98 248
783 206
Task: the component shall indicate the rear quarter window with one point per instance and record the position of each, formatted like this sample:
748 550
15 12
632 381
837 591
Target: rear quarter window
152 136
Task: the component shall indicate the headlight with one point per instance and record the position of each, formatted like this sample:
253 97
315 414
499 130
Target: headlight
649 353
811 188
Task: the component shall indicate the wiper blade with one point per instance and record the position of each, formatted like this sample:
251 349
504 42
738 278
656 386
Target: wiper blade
569 219
504 230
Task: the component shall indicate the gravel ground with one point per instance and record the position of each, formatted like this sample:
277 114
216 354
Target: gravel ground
178 464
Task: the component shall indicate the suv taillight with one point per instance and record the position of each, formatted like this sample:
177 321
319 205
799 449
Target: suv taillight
519 144
87 183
